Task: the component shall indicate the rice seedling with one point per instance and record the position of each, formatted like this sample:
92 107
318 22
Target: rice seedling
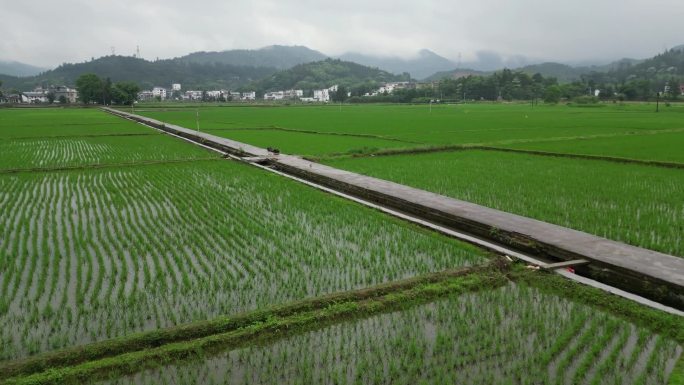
493 337
87 255
635 204
482 124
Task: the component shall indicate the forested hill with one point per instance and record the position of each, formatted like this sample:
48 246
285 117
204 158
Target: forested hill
667 66
278 56
146 73
325 73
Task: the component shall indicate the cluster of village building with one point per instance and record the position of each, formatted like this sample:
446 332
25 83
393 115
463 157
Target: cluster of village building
52 94
176 93
317 96
320 96
64 94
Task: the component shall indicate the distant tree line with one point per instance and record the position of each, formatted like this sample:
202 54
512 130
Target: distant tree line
94 90
508 85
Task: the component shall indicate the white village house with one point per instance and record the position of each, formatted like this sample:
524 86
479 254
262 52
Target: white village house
159 92
59 94
280 95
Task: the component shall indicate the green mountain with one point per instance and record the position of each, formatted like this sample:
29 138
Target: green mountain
146 73
563 72
668 65
323 74
278 56
567 74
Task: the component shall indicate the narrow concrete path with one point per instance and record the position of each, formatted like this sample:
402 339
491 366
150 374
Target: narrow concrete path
656 274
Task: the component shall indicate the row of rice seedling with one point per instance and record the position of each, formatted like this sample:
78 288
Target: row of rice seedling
77 151
512 335
94 254
639 205
57 122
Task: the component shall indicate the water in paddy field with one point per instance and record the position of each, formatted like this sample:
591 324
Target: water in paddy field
507 335
104 253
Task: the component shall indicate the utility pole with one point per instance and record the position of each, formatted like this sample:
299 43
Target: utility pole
197 118
657 101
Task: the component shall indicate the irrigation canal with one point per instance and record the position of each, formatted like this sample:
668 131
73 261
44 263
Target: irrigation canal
649 277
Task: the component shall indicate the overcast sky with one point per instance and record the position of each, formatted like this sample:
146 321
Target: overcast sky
48 33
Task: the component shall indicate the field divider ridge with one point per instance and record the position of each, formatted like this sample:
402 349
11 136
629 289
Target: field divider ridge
120 355
314 132
655 275
467 147
616 159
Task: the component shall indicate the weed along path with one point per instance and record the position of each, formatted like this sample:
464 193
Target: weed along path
653 274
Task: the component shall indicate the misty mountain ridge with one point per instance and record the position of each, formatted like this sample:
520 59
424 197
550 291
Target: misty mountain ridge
425 64
15 68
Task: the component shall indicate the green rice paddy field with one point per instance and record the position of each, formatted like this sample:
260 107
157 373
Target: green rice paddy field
634 203
447 125
109 228
508 335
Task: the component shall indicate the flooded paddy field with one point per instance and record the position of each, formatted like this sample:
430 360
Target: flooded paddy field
511 335
95 254
109 228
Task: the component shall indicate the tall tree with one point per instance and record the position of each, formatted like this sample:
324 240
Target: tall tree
125 93
90 88
340 95
552 95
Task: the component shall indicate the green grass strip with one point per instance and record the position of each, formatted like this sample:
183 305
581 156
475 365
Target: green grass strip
571 155
465 147
148 349
677 375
